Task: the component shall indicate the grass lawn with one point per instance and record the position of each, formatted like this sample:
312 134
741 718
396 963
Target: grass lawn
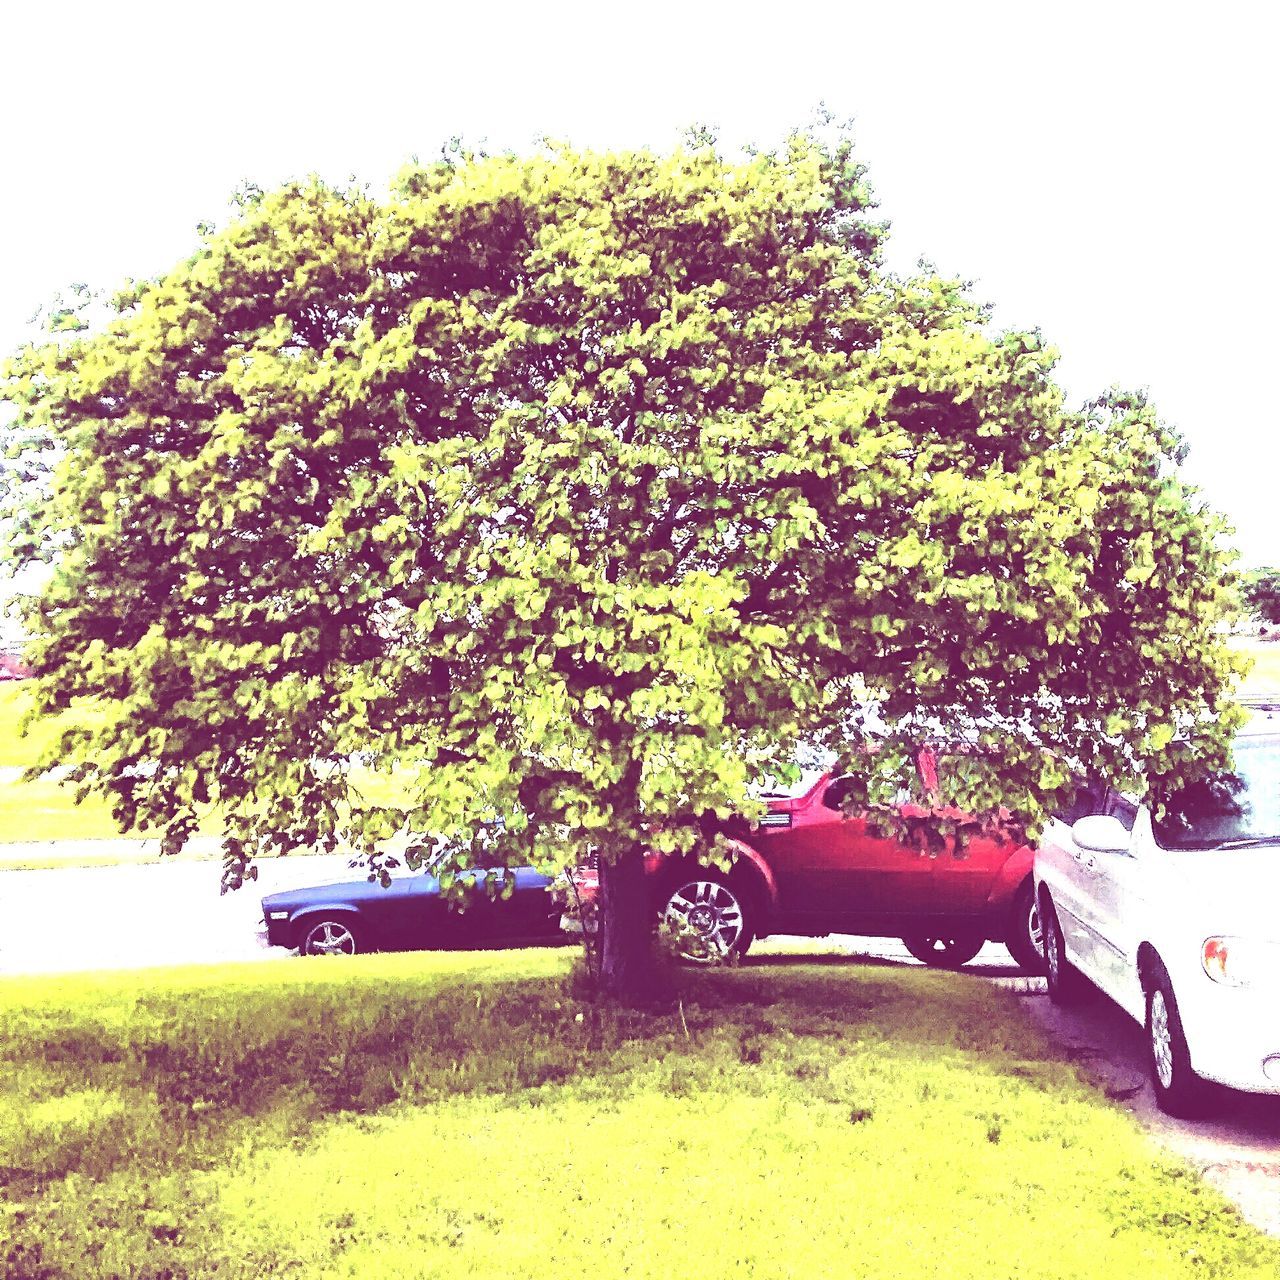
45 810
1264 679
18 748
466 1115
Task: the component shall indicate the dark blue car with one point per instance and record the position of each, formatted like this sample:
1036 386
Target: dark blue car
411 914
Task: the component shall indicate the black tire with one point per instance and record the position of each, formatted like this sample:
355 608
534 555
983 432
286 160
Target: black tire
1067 985
944 952
1025 937
712 917
329 935
1179 1091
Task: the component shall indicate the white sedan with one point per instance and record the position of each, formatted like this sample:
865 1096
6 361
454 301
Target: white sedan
1178 921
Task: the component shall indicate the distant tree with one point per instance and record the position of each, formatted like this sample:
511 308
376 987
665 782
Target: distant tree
1262 595
582 489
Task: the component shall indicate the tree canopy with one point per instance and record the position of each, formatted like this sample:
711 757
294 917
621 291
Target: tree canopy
580 490
1262 595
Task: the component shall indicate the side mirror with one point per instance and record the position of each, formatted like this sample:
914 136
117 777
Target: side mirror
1101 834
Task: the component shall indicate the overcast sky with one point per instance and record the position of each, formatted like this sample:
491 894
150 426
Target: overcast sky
1101 171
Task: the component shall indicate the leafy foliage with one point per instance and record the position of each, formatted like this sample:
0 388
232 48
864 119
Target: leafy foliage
581 489
1262 595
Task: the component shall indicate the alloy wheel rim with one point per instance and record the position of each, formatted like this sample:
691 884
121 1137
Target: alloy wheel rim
710 911
1161 1039
331 939
1053 957
1035 931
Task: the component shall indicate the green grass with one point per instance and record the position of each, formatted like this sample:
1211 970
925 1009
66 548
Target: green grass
467 1115
121 852
1264 678
44 810
17 748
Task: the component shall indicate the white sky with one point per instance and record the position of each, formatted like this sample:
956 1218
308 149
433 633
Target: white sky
1102 171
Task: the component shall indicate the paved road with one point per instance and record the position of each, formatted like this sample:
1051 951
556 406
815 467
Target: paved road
134 916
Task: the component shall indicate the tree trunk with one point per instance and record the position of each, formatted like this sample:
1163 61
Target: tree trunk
626 928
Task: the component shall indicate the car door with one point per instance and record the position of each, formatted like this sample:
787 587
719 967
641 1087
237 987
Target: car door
961 881
431 922
1112 885
1066 871
830 866
479 919
529 912
384 916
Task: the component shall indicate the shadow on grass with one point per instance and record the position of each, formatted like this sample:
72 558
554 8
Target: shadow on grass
356 1041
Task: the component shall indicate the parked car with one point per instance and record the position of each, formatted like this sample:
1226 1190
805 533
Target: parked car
12 667
1176 919
342 919
811 870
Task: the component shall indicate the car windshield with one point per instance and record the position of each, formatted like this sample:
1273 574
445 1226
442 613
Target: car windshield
1229 809
771 788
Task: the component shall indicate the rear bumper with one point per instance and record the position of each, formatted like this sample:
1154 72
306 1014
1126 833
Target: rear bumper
1233 1034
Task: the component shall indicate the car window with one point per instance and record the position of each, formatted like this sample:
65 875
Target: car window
1121 808
1088 799
1228 808
835 794
770 788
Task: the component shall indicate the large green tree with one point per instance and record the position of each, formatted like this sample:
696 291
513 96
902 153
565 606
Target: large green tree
580 490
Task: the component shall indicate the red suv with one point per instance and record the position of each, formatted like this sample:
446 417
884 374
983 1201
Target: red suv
810 870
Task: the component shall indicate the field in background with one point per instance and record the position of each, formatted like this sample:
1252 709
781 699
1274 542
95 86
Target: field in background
18 749
458 1115
46 811
1264 679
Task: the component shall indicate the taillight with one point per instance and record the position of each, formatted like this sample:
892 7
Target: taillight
1241 962
1214 956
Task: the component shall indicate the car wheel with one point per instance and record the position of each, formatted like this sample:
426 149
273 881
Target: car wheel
1179 1091
1025 938
1066 985
948 952
330 936
710 917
